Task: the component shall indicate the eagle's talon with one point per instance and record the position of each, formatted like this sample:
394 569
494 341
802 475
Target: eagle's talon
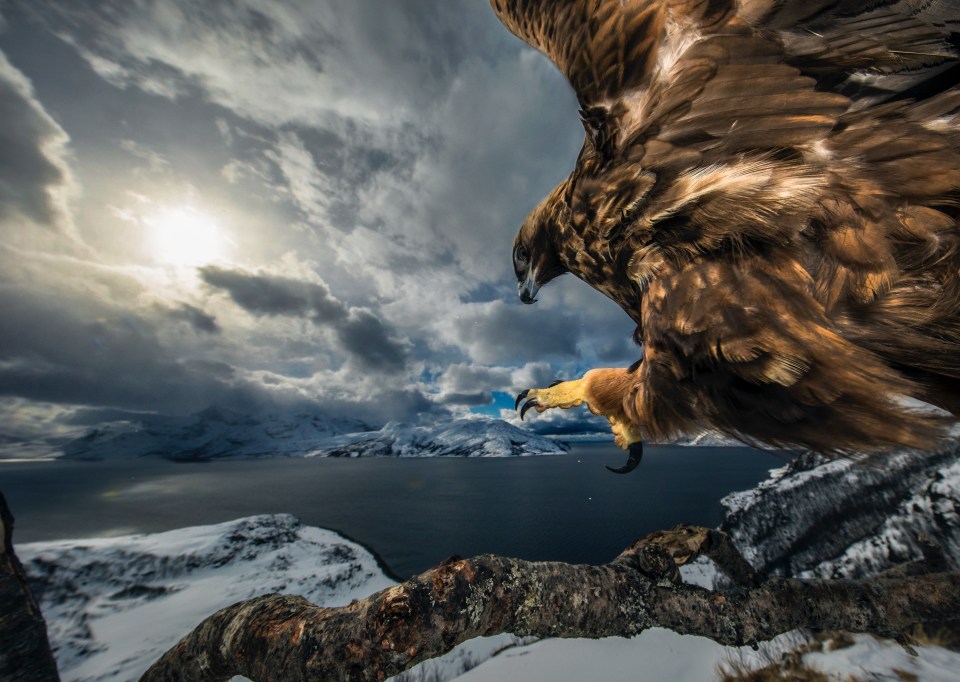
633 459
523 394
527 405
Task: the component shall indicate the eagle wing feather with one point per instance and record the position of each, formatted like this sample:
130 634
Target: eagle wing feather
772 225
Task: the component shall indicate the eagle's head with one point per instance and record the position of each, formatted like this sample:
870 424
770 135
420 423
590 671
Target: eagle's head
536 259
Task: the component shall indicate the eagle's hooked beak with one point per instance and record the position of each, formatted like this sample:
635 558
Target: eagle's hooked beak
528 288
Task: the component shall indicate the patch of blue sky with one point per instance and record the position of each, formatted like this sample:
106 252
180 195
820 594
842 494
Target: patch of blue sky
501 401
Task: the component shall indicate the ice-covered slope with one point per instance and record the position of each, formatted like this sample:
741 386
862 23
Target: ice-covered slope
114 605
844 519
214 432
220 433
461 438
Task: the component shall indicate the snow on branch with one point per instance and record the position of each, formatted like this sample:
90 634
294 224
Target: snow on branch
287 638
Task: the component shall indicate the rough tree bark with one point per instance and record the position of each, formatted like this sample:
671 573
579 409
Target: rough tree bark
278 637
25 653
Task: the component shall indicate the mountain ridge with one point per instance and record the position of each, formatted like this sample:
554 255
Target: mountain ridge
220 433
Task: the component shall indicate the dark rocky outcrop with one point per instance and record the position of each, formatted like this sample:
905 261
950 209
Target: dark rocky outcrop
25 654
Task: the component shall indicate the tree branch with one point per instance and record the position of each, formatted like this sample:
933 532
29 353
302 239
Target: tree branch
286 638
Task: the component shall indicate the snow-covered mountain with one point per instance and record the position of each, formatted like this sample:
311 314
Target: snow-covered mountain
212 433
460 438
220 433
839 518
114 605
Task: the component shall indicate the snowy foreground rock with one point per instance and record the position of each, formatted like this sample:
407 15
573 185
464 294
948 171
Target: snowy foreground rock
219 433
113 605
812 518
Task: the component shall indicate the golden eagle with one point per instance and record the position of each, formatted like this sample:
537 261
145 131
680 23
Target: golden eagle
770 189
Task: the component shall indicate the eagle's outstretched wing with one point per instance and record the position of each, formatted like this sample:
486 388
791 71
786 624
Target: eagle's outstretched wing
759 192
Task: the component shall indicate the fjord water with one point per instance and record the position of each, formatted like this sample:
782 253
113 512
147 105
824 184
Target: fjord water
413 513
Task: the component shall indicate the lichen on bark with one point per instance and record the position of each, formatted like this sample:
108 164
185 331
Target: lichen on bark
279 637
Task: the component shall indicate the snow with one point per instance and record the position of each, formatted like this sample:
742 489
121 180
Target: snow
701 572
656 654
873 659
114 605
842 518
463 438
660 655
932 510
213 432
221 433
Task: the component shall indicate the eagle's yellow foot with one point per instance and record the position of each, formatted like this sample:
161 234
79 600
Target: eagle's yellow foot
562 394
601 391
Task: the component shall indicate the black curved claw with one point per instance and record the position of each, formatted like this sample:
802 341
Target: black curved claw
523 394
633 459
527 405
558 381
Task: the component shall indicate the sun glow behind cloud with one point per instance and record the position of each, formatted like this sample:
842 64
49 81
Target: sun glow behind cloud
266 232
185 236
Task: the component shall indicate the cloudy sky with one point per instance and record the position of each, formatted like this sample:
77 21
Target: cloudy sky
279 205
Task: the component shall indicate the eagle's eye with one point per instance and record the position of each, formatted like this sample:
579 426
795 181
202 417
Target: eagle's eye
520 254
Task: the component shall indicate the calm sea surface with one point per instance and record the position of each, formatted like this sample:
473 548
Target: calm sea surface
414 513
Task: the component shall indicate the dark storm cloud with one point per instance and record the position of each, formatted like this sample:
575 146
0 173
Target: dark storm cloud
91 416
230 48
274 295
33 175
498 332
198 319
467 399
364 335
361 333
54 352
113 360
